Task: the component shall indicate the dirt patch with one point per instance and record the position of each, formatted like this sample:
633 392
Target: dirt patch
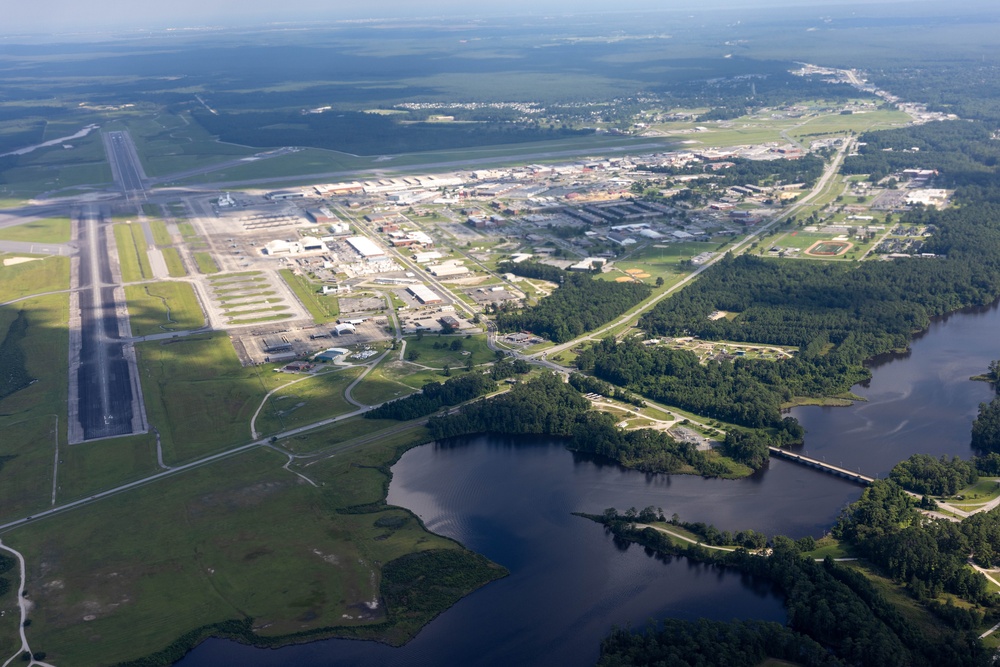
14 261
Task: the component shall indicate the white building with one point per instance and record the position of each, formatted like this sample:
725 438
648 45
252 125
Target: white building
366 247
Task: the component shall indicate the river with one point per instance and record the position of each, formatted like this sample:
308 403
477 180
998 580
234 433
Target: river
512 499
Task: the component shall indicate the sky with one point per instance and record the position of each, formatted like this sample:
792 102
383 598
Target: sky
67 16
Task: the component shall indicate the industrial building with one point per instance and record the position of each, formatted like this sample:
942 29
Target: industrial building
423 294
344 329
366 247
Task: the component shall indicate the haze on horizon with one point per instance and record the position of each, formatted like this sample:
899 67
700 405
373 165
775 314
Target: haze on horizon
67 16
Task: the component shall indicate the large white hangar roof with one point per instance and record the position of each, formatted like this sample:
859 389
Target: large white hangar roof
365 247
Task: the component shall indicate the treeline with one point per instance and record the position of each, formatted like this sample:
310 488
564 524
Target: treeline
579 305
806 170
705 643
588 384
986 427
929 556
743 391
936 477
960 150
834 606
433 396
548 406
13 372
535 270
365 133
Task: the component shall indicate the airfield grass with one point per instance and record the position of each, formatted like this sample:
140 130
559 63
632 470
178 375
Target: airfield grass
350 434
49 274
49 230
206 263
132 257
90 467
307 401
28 417
238 538
161 237
175 266
170 143
323 308
162 307
197 394
437 358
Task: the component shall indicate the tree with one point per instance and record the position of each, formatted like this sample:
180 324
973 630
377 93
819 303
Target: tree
412 355
659 281
447 370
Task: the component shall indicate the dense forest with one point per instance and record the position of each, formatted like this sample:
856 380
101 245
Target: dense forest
937 477
705 643
433 396
547 405
362 133
743 391
579 305
753 172
986 427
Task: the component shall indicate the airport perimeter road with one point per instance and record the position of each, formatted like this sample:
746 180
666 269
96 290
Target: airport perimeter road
125 165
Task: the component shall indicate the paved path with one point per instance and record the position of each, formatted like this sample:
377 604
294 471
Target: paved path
24 605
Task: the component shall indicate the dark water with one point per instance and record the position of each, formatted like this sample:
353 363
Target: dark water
511 500
918 403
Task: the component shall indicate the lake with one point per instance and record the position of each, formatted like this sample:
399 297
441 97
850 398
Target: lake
512 500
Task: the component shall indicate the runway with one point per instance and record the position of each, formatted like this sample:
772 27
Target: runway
108 400
125 165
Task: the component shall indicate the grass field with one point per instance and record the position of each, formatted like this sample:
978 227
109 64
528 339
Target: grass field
323 308
29 417
132 256
206 263
48 274
86 469
240 537
162 307
437 358
308 401
49 230
382 384
161 237
175 266
197 394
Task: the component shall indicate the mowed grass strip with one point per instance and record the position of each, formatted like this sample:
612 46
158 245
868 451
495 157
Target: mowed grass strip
175 266
197 394
132 255
29 417
206 263
323 308
162 307
49 230
161 236
43 274
307 401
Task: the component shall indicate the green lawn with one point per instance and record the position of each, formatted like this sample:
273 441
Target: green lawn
162 307
382 384
132 255
197 394
323 308
437 358
175 267
46 274
206 263
308 401
49 230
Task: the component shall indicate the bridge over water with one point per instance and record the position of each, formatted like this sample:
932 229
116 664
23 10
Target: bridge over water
851 475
